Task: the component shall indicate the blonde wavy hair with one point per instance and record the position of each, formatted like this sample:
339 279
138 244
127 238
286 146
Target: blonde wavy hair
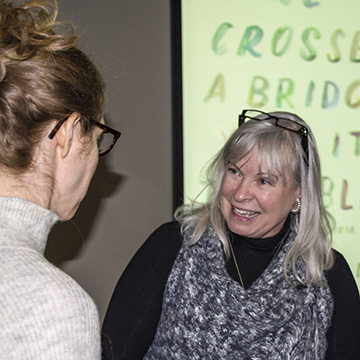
282 151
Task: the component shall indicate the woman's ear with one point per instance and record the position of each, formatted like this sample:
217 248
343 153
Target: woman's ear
66 133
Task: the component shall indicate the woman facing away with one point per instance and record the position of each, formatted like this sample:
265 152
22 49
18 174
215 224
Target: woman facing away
251 273
51 127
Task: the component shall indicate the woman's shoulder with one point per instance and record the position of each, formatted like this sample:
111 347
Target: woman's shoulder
61 292
66 302
167 239
30 275
163 244
343 334
43 300
340 269
171 228
341 280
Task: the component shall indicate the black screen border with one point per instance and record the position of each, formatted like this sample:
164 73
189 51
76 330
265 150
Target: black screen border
177 103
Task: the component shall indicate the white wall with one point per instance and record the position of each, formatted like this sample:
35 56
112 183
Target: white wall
131 193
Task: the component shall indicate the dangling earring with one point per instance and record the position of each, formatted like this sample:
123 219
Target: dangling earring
296 209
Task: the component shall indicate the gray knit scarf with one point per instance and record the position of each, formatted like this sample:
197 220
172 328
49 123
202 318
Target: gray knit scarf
208 315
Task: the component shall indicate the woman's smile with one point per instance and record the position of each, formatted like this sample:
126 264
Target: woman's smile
245 213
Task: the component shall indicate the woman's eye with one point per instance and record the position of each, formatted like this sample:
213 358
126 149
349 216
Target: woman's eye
232 170
264 182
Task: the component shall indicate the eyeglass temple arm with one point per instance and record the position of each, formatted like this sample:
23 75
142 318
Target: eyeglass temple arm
241 118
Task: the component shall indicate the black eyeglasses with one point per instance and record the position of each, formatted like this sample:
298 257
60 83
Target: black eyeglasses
283 123
106 140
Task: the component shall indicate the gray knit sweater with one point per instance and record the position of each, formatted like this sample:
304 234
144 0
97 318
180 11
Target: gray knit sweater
208 315
44 314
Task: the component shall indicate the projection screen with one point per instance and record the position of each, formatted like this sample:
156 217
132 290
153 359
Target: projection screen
301 56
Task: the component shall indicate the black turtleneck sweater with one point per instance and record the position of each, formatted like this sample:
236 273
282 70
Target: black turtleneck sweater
134 310
254 255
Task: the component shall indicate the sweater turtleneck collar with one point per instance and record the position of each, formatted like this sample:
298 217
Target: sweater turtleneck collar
262 245
23 223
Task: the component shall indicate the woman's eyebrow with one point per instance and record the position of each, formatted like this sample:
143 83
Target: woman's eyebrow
273 176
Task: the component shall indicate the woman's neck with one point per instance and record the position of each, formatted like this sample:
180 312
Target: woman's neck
30 187
262 245
254 255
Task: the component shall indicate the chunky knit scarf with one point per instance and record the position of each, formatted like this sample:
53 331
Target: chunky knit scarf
208 315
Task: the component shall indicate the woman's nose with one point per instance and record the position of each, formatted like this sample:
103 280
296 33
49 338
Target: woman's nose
242 191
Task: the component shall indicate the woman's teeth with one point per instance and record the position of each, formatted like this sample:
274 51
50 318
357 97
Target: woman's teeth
244 213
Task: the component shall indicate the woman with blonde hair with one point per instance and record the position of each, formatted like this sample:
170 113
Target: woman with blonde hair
51 136
250 274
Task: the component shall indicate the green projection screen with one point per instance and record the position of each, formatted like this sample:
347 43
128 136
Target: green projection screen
301 56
